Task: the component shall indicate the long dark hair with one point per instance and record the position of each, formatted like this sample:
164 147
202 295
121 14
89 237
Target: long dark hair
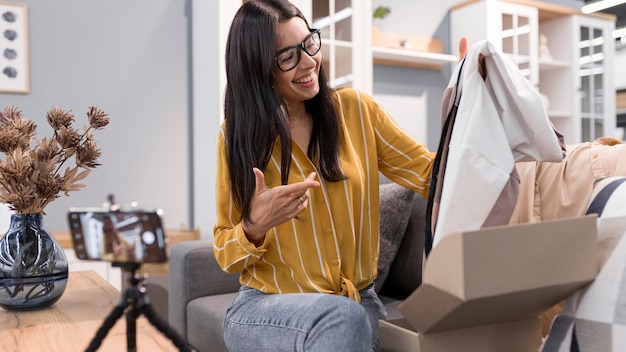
253 111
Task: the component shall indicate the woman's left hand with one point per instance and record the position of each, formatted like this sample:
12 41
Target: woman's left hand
482 69
462 48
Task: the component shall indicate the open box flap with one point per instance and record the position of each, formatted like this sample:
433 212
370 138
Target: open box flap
502 273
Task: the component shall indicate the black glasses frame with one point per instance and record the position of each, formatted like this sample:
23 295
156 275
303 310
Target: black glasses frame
300 47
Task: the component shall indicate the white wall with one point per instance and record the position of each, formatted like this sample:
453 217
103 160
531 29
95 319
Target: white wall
211 21
411 17
130 59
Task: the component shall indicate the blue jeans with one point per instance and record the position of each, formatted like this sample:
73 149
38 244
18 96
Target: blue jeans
257 321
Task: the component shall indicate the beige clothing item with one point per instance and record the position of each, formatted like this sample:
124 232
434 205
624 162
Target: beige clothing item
560 190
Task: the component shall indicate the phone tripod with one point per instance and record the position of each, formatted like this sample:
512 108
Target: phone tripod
135 301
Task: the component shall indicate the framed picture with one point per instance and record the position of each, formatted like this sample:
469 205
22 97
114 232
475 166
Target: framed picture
14 70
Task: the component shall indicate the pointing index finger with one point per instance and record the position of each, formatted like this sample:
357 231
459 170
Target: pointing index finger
304 185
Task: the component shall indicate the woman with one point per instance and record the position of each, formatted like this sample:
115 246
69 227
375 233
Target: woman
297 190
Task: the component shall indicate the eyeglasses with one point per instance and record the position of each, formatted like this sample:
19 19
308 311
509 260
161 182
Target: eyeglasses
288 58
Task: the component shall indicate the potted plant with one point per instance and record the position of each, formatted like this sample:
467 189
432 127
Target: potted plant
380 12
33 267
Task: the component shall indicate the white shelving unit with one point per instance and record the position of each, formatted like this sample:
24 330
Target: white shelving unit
347 44
575 77
346 38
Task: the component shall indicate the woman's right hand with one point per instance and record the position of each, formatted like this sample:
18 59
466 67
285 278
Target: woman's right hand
272 207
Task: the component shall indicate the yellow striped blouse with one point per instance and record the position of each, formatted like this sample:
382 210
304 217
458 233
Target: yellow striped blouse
333 247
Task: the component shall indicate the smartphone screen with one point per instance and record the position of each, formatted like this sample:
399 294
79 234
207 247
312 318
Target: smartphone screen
118 236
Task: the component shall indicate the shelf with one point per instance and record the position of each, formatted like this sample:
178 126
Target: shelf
399 49
411 58
549 65
620 101
559 114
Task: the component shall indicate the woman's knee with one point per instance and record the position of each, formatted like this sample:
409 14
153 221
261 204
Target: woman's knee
311 322
343 321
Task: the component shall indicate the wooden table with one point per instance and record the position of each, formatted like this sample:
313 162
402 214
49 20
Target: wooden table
72 322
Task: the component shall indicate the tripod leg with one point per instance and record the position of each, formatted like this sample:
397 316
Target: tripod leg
148 311
108 323
131 328
140 301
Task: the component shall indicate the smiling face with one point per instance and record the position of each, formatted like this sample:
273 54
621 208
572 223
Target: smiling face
301 83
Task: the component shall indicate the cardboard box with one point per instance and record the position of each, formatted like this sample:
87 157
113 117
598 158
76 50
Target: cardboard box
398 336
484 290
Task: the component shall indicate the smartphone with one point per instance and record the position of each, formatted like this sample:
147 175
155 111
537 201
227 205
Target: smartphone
135 236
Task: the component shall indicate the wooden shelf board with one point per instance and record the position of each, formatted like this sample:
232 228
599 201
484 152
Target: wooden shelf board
620 100
404 50
410 58
172 236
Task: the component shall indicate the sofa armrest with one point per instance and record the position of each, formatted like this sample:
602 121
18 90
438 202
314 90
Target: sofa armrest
193 273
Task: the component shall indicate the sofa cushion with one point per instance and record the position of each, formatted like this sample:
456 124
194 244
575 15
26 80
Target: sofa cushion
205 316
395 208
405 275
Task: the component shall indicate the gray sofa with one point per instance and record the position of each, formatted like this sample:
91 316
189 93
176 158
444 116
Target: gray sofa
200 292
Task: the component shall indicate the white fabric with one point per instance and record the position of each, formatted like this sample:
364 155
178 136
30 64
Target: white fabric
500 120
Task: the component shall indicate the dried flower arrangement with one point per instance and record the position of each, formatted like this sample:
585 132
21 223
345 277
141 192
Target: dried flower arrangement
30 175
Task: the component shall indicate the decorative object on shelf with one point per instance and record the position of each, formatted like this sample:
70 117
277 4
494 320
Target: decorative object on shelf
381 12
14 70
33 267
544 50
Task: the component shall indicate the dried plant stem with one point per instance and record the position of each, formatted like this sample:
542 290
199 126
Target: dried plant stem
30 175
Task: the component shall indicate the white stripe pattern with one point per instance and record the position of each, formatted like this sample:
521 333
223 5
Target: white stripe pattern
333 245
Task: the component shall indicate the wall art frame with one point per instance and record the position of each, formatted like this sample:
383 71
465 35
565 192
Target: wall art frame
14 61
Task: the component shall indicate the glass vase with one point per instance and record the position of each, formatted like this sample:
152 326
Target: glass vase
33 266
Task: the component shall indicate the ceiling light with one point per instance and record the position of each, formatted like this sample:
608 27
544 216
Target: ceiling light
601 5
